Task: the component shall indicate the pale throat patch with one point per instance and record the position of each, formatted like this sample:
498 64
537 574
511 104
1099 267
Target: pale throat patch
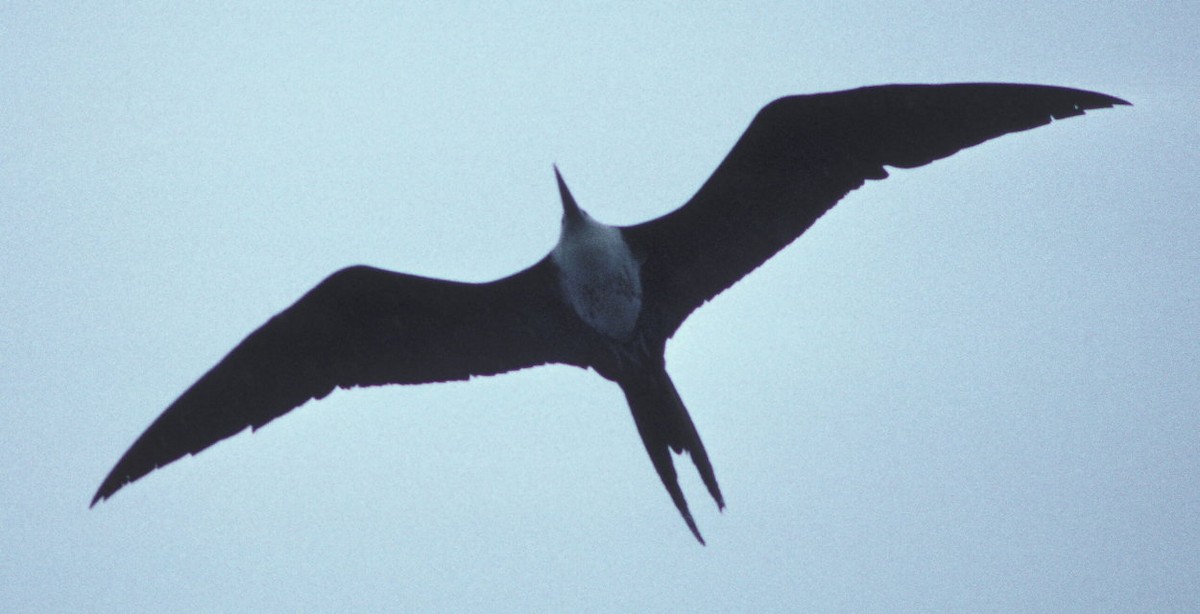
600 278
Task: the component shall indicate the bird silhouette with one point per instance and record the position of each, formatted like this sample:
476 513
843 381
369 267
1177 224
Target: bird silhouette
606 297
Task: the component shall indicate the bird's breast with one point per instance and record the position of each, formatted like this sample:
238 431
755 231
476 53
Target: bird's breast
600 279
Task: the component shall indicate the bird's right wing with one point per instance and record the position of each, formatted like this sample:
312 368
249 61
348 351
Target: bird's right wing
361 326
802 154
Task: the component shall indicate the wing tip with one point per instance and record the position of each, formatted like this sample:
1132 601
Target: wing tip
101 495
107 489
1098 100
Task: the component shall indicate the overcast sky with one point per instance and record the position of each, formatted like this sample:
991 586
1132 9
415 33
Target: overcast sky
970 387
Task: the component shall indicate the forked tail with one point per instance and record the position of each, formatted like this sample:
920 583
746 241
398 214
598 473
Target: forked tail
665 426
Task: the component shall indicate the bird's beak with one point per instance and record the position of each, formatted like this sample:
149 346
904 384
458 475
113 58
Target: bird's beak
571 211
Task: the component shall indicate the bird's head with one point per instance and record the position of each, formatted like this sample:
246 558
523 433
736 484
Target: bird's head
572 214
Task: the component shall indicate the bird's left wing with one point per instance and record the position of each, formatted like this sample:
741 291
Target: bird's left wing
361 326
802 154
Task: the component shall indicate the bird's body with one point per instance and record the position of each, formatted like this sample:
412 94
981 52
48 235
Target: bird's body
606 297
598 275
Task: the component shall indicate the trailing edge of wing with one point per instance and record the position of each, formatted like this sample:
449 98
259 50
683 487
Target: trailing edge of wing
361 326
802 154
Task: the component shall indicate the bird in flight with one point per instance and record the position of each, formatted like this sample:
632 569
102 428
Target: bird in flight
605 297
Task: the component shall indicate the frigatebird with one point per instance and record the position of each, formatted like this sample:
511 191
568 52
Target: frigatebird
606 297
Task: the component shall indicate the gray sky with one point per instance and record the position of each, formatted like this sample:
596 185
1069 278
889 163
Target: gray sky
971 387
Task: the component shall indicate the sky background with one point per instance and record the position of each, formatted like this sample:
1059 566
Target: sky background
970 387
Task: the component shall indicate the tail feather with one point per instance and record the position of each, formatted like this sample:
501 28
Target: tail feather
665 426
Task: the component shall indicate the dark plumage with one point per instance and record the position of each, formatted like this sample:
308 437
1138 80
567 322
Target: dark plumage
363 326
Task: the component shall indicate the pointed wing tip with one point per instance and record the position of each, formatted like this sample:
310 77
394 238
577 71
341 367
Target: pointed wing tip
110 486
103 493
1103 101
100 496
